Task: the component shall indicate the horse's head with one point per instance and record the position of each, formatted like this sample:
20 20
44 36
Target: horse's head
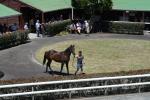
72 49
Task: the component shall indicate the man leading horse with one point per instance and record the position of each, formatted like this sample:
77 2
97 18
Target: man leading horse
60 57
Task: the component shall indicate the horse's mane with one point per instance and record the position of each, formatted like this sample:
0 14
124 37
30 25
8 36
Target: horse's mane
68 49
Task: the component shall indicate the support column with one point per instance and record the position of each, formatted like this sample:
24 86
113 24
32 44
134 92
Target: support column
21 21
124 16
43 20
72 13
143 16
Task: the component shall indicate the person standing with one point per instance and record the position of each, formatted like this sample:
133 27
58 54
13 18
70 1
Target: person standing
78 25
61 17
1 28
80 58
13 27
26 26
87 27
37 25
5 28
43 29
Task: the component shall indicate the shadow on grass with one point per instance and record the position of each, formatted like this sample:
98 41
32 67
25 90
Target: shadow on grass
58 73
1 74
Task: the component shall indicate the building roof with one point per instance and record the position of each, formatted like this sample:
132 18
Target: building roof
131 5
7 12
48 5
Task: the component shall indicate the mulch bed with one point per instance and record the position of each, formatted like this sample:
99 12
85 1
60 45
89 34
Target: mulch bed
71 77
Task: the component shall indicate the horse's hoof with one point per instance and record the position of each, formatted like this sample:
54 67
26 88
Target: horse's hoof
45 71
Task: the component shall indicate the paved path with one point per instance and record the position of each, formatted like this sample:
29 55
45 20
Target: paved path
139 96
17 62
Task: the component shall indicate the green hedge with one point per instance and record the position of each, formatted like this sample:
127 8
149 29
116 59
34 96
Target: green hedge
56 27
126 27
13 38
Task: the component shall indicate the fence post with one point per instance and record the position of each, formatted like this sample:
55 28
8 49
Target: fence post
32 95
106 88
70 92
139 86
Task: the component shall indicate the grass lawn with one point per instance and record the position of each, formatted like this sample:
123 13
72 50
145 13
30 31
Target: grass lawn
105 55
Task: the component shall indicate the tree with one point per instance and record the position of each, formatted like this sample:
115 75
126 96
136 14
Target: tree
95 10
93 6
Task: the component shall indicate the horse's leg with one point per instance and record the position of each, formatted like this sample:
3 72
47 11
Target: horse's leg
62 65
49 65
67 68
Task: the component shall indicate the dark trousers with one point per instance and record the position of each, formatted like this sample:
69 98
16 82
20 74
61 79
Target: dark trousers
38 33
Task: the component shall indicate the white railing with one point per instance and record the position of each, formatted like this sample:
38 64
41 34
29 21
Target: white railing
73 89
73 81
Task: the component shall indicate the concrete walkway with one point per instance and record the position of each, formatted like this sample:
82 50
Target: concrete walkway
33 36
139 96
19 62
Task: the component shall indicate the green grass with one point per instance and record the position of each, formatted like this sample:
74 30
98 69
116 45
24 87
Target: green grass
105 55
63 33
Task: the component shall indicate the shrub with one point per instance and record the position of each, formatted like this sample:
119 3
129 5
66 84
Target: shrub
56 27
13 38
126 27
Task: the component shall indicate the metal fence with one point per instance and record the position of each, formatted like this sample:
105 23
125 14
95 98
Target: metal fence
33 88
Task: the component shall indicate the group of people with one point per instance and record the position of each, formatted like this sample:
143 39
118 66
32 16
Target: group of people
38 27
79 26
4 28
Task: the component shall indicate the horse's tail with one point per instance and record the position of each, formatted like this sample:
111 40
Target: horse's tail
44 60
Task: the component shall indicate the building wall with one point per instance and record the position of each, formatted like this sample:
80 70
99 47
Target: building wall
10 20
16 5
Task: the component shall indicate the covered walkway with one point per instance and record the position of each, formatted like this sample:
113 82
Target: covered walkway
47 6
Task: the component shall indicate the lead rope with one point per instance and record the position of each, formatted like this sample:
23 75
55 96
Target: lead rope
73 61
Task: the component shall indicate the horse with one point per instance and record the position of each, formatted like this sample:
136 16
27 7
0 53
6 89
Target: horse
62 57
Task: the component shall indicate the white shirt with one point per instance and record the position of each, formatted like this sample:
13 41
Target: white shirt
87 28
26 27
78 26
37 25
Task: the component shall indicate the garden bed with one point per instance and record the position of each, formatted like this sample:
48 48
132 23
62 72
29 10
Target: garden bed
11 39
71 77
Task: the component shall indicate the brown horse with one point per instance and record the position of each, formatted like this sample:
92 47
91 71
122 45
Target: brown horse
60 57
